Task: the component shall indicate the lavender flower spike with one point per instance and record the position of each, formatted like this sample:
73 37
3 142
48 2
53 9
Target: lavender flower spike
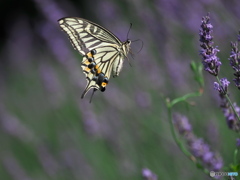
235 62
223 87
198 148
182 124
210 60
230 116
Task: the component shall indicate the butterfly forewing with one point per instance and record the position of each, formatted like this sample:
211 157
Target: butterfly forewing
102 50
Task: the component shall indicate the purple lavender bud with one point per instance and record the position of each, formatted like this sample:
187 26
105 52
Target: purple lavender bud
216 86
182 124
208 156
234 59
238 142
210 60
148 174
216 164
225 83
223 88
237 108
237 82
198 148
231 118
202 151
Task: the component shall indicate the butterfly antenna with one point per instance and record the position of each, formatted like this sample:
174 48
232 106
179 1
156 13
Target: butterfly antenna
129 29
92 94
141 46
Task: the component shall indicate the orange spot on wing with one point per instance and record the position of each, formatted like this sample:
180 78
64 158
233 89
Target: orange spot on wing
104 84
87 69
89 55
97 69
86 62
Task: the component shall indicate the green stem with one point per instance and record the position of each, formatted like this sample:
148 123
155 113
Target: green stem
176 139
235 157
229 100
178 142
183 98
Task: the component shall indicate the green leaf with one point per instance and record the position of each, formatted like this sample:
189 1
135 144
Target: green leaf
197 71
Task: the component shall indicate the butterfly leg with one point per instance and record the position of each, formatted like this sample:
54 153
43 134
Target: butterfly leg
94 89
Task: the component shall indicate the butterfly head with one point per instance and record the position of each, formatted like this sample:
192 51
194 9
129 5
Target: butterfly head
128 41
126 46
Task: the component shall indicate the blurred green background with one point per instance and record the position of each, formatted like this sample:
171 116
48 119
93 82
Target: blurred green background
48 132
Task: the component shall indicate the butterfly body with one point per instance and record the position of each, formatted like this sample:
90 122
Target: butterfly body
102 51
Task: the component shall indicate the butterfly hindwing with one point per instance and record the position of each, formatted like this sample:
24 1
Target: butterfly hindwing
104 59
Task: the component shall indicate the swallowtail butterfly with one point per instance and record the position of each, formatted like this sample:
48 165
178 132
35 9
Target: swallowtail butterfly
102 51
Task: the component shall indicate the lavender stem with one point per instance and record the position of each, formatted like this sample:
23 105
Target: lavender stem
177 141
235 156
230 102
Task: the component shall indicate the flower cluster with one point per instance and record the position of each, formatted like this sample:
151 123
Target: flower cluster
235 62
198 148
182 125
212 65
231 118
210 60
222 88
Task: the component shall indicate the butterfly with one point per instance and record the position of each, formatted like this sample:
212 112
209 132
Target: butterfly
103 52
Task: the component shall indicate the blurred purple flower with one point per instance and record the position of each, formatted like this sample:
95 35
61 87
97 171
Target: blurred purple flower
229 114
13 126
217 86
14 167
90 122
197 146
234 62
143 99
182 124
216 163
51 83
148 174
50 9
238 142
49 163
201 150
210 60
223 87
208 156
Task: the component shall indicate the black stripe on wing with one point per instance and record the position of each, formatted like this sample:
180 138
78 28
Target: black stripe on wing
90 33
73 35
91 84
108 36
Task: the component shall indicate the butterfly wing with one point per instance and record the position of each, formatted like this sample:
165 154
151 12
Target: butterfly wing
105 58
86 36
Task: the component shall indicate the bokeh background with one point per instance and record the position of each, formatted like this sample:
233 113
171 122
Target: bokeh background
48 132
